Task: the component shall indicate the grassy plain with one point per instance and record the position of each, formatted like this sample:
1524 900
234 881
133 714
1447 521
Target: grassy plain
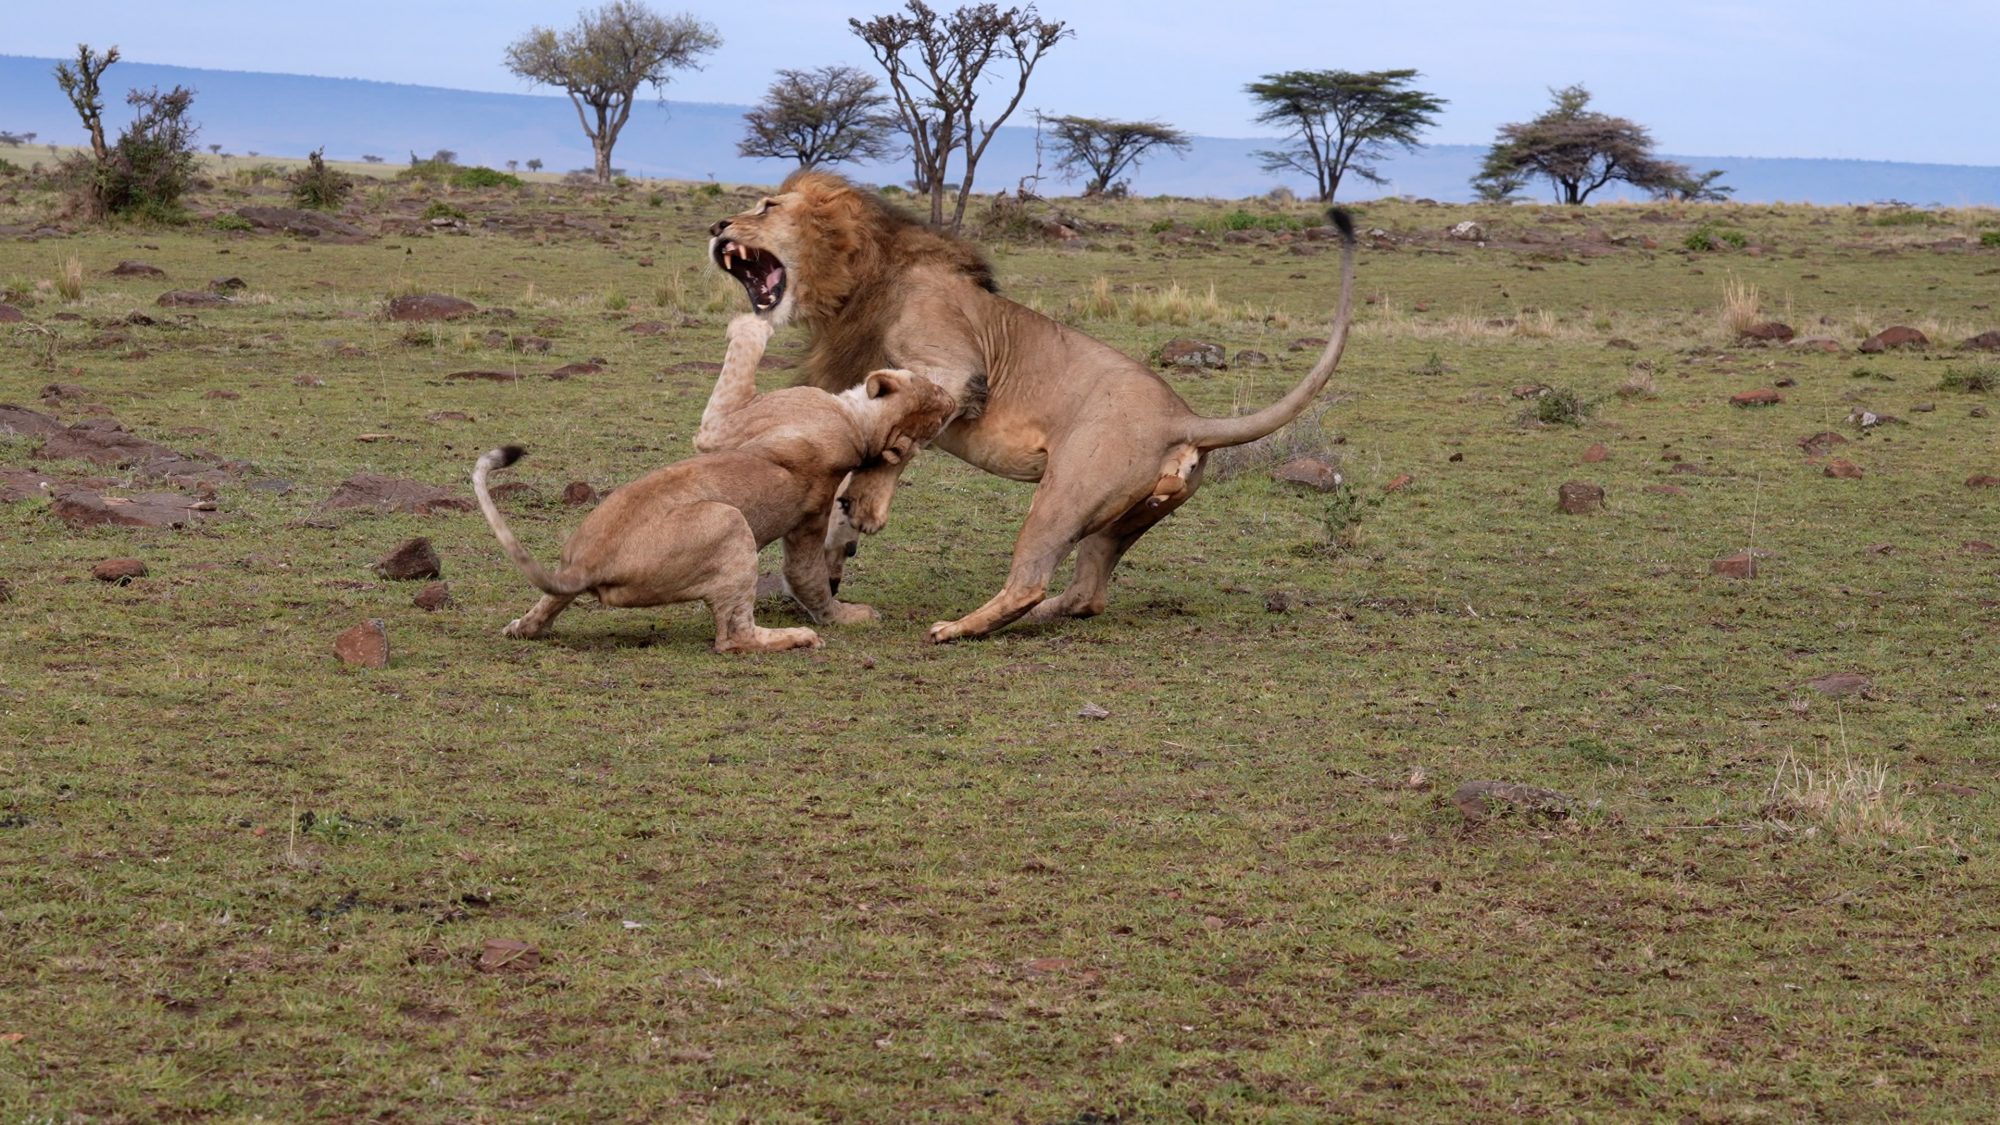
892 882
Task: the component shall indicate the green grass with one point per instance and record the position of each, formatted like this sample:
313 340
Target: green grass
886 881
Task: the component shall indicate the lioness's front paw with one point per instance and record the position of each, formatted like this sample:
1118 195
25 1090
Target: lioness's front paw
853 613
943 631
514 629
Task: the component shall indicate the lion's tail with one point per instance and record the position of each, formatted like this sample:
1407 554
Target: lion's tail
500 459
1214 433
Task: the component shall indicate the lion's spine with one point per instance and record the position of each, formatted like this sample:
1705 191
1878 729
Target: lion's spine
538 575
1215 433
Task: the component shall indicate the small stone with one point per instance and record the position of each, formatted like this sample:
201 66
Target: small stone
570 370
1771 331
1762 396
430 306
1900 336
433 597
137 269
1250 357
505 955
1843 469
1923 408
1312 472
1193 354
1092 711
413 560
227 284
1477 800
1579 497
220 395
1978 547
1841 683
1400 482
1742 564
1982 480
1277 601
1988 341
579 494
1597 452
364 646
1817 344
191 299
120 571
1817 445
308 381
1622 344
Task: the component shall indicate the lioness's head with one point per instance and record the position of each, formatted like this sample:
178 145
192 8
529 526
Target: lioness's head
802 249
901 410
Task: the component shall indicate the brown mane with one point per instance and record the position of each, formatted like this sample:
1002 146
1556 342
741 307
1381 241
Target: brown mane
850 270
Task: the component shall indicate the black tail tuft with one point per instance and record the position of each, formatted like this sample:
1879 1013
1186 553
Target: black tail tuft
508 455
1343 221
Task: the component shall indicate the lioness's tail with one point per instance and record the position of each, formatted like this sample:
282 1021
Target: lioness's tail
1214 433
500 459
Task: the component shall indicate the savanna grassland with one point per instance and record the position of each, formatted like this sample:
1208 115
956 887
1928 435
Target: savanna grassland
885 881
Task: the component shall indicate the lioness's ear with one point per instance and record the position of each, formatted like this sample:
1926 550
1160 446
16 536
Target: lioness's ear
879 383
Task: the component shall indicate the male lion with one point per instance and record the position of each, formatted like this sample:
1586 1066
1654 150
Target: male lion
1115 449
769 468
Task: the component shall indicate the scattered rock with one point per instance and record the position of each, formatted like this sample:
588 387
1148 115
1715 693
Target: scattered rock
1306 343
1742 564
121 571
63 392
1277 601
430 306
1842 683
364 646
1842 469
489 376
1467 231
393 494
27 423
1978 547
578 494
221 395
82 509
1923 408
571 369
227 284
1900 336
447 416
303 224
1817 445
192 299
136 269
1771 331
505 955
538 345
1092 711
1530 390
1622 344
1399 482
1478 800
1817 344
1249 357
1982 480
648 328
1195 354
19 484
1988 341
1312 472
1596 453
1762 396
11 315
1579 497
1868 419
433 597
414 559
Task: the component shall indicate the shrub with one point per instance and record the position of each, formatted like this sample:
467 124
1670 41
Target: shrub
1708 237
1561 407
319 187
482 177
1910 218
435 168
1990 238
709 191
228 221
145 174
439 209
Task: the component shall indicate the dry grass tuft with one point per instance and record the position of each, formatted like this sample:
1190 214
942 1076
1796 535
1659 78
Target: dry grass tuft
1853 801
70 283
1739 307
1307 436
1639 384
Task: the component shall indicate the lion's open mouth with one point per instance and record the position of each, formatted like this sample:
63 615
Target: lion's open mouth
760 271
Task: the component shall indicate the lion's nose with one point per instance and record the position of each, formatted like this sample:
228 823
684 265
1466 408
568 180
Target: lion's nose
718 228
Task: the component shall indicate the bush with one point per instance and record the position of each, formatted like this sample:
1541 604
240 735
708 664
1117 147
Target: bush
482 177
435 168
318 187
1911 218
439 209
1561 407
229 221
709 191
1990 238
151 167
1979 380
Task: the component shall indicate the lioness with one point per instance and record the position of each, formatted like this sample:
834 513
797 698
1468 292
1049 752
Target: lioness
770 467
1115 449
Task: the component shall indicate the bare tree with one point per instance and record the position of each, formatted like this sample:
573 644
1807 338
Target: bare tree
935 64
605 58
1107 149
1342 121
1578 151
828 115
80 84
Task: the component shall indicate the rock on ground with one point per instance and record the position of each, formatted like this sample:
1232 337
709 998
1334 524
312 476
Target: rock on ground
393 494
414 559
364 646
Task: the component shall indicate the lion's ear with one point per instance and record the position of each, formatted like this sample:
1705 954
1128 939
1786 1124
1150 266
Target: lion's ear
881 384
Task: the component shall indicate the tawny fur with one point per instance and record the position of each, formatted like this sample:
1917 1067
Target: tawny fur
1115 449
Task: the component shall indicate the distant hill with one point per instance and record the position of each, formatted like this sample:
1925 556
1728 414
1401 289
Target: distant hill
290 115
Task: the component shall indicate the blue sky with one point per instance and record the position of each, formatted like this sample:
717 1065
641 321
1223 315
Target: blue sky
1910 82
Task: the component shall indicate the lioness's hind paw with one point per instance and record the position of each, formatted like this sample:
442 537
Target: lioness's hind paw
854 613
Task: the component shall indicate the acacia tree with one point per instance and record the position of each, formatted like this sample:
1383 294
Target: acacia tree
1107 149
1694 187
605 58
935 63
828 115
1579 150
1341 121
80 85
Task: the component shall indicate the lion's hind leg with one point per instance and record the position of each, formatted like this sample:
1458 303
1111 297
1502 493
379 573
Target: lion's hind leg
1098 554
